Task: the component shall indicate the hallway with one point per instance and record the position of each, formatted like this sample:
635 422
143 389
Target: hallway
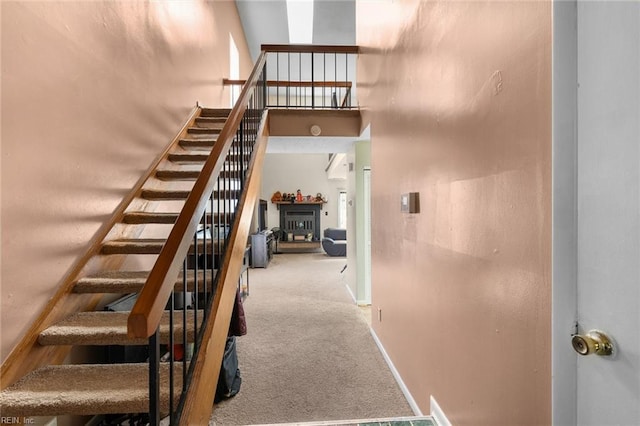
308 354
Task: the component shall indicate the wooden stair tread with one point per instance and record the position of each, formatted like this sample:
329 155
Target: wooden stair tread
103 328
87 389
122 282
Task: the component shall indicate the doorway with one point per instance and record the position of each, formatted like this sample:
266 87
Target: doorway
596 200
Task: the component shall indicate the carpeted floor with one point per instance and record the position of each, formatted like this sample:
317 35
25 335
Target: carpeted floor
308 354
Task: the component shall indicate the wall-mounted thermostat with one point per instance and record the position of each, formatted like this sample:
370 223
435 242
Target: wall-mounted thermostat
410 202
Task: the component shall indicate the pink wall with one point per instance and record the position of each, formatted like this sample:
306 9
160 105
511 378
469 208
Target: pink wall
92 92
459 99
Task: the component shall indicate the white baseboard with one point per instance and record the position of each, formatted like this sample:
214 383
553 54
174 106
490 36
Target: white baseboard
438 415
351 294
412 402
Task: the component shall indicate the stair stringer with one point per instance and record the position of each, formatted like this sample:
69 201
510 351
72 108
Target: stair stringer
28 355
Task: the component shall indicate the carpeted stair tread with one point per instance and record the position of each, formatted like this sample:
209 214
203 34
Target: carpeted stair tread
208 131
165 194
103 328
202 143
122 282
200 157
167 174
149 217
145 246
188 157
215 112
87 389
133 246
211 122
135 217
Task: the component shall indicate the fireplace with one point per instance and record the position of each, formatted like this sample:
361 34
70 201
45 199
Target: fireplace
300 219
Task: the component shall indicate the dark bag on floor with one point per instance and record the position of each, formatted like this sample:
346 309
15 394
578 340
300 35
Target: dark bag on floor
229 380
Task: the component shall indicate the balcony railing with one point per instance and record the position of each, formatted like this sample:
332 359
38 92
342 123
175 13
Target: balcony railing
308 77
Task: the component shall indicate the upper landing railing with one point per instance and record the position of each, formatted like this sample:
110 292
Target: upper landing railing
308 76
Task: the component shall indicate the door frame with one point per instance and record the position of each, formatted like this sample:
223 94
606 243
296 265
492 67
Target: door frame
366 196
564 262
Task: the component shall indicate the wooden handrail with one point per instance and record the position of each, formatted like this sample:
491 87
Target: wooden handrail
208 358
146 313
287 83
309 48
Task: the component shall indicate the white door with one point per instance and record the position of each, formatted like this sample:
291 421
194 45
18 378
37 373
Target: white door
596 197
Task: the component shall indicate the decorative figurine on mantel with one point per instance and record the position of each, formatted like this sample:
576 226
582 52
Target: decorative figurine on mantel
299 197
276 197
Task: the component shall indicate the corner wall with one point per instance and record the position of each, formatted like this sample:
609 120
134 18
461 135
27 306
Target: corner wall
92 92
360 156
459 98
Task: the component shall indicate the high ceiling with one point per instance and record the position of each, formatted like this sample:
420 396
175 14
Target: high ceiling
265 22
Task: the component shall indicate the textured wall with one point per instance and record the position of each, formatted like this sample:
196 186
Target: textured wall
91 93
459 99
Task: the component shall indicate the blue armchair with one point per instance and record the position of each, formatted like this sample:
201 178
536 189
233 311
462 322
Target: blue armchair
334 242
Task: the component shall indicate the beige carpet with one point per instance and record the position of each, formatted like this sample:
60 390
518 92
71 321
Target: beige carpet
308 354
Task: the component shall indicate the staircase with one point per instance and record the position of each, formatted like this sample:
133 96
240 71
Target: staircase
54 388
192 212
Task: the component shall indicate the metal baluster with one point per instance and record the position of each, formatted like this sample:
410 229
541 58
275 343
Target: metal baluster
335 79
184 322
154 378
209 291
171 359
346 69
324 77
288 78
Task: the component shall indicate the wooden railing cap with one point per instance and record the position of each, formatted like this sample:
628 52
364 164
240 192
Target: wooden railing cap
310 48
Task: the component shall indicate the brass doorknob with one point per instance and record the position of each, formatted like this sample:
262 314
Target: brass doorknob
594 342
